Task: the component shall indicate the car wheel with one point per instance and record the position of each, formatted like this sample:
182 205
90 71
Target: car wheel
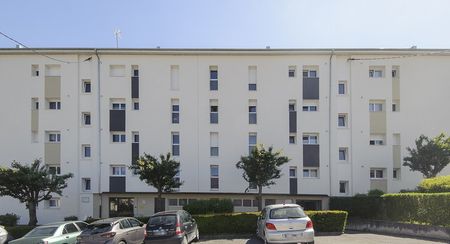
122 242
197 236
184 241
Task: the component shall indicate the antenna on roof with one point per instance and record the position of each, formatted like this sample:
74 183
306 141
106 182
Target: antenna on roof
117 34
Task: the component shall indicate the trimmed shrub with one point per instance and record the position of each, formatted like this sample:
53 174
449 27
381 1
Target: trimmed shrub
328 221
70 218
211 206
428 208
19 231
9 219
375 193
360 206
435 185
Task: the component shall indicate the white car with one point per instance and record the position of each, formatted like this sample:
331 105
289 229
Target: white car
3 235
285 223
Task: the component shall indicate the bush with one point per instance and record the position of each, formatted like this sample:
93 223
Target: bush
428 208
212 206
245 223
19 231
361 206
70 218
90 219
328 221
435 185
375 193
9 219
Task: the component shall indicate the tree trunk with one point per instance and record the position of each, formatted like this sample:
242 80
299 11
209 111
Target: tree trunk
158 202
259 198
32 213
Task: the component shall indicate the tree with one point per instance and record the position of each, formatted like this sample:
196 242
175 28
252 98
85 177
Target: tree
31 184
159 173
261 168
430 155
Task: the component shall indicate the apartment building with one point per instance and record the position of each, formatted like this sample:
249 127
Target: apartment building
344 118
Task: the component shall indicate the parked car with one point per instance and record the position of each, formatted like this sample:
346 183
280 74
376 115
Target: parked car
285 223
171 227
54 233
119 230
4 236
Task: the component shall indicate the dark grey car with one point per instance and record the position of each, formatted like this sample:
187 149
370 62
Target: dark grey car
118 230
171 227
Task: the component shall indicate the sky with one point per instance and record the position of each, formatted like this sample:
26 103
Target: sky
227 23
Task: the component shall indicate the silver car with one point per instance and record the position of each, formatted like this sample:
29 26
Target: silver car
285 223
120 230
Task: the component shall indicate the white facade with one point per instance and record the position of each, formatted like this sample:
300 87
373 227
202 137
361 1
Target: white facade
343 124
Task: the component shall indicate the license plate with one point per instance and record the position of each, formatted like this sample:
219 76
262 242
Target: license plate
160 233
291 236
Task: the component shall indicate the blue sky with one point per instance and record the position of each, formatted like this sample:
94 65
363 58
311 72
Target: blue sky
228 23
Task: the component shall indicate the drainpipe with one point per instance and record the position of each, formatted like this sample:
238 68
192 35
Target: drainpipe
329 120
99 133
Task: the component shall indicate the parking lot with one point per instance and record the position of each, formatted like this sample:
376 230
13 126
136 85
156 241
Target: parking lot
354 238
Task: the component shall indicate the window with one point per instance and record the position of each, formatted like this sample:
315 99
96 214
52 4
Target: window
343 153
214 172
251 142
376 173
54 169
213 111
174 76
117 70
237 202
292 107
252 78
118 137
86 184
310 139
342 120
309 73
135 102
54 202
292 138
292 71
395 105
309 108
396 174
135 70
175 144
54 137
175 111
86 151
214 144
173 202
86 86
54 105
376 139
376 72
342 87
292 172
375 107
86 117
35 70
118 170
213 78
343 187
135 136
268 202
310 173
252 118
118 106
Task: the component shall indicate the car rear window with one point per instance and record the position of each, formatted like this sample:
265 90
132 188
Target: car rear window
286 213
161 220
97 228
42 231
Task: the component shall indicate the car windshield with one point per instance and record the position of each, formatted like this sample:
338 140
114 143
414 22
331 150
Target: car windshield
286 213
42 231
162 220
97 228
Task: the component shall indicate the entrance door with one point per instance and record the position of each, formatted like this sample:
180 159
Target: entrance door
121 207
160 204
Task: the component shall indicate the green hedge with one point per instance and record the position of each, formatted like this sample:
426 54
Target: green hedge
245 223
19 231
435 185
361 206
9 219
428 208
211 206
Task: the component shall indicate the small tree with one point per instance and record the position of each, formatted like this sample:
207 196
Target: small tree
159 173
261 168
31 184
430 155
